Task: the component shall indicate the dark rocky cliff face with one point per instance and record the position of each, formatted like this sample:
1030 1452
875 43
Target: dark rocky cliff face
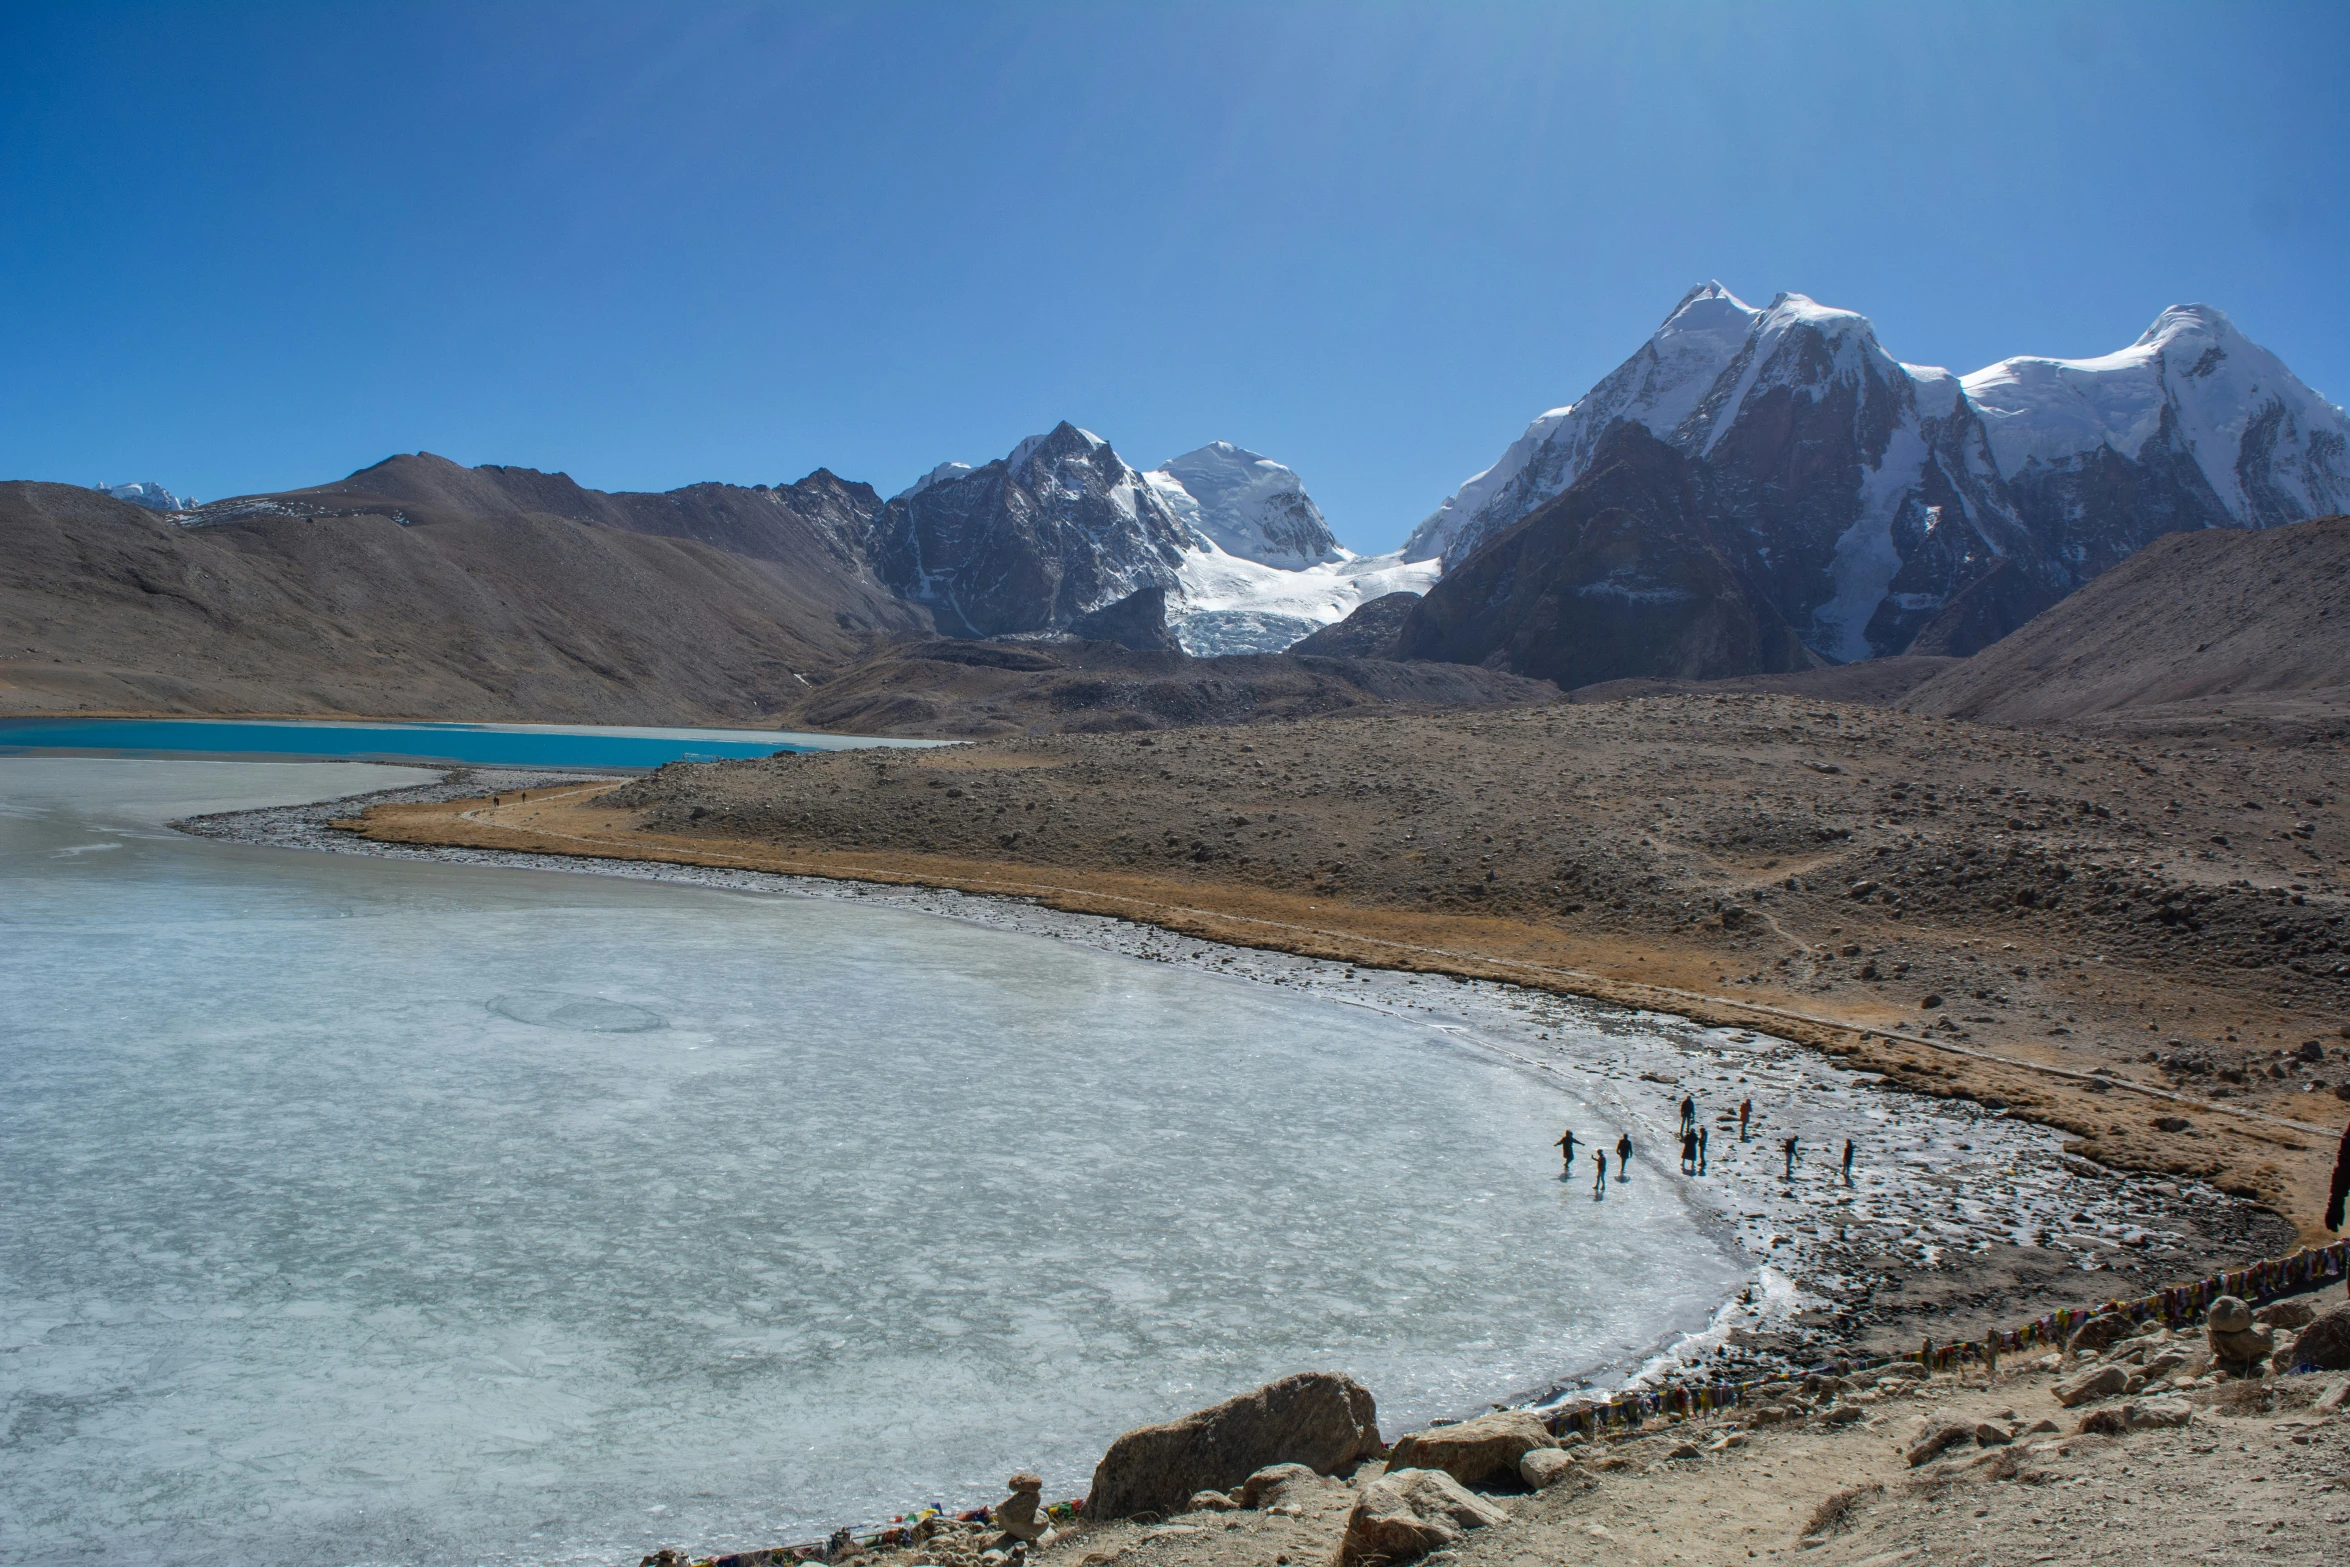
1028 543
1622 575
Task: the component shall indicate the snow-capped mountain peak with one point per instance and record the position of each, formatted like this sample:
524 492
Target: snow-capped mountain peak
1247 505
2269 449
1660 386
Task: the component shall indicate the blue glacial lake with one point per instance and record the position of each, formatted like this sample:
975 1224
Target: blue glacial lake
486 745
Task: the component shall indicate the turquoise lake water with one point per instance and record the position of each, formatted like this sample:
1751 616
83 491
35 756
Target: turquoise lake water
487 745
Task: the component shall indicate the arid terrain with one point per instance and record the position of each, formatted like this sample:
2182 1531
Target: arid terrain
2257 1470
2140 941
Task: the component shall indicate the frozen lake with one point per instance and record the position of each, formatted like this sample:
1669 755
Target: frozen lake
362 1210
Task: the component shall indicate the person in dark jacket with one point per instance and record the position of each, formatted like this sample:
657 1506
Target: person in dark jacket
1623 1154
2341 1191
2341 1188
1566 1147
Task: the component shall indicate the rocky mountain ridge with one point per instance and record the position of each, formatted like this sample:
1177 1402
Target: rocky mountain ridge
1884 507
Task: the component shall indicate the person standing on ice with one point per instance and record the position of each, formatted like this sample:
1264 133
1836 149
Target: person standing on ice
1566 1147
1745 1112
1599 1181
1688 1112
1701 1150
1688 1151
1787 1146
1623 1154
1848 1161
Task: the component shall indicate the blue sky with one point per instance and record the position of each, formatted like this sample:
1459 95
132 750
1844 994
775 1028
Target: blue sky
252 247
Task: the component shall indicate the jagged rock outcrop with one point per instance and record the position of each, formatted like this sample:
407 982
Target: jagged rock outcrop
1137 621
1030 542
1369 632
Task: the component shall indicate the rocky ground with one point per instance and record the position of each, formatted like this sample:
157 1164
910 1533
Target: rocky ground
2189 1465
2137 940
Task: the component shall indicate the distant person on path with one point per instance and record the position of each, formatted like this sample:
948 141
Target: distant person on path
1688 1151
1701 1150
1788 1146
1566 1147
1623 1155
1745 1113
2341 1189
1848 1161
1688 1112
1599 1181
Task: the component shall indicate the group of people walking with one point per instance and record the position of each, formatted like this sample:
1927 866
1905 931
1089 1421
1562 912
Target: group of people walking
1694 1142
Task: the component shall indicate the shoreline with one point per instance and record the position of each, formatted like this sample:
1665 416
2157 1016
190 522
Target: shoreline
1876 1282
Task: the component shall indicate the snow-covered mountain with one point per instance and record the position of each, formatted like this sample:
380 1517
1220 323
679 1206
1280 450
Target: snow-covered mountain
1064 528
1656 387
2194 425
149 494
1246 505
1870 500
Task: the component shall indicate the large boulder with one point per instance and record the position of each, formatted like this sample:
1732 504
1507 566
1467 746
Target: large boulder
2091 1385
2325 1343
1315 1418
1475 1452
1406 1513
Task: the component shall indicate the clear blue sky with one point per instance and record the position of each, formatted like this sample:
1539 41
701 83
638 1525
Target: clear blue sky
252 247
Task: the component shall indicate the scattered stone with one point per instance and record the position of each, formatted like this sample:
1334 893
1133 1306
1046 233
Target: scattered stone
2158 1413
2095 1383
1834 1508
1318 1419
1406 1513
1474 1452
1211 1502
1275 1484
1944 1435
1901 1370
2099 1333
1844 1415
1685 1450
2332 1400
1544 1467
1989 1434
2295 1313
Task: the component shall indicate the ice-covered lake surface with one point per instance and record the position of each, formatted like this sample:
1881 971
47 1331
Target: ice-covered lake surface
371 1210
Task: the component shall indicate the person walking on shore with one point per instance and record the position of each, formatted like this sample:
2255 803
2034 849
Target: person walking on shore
2341 1188
1701 1150
1599 1180
1566 1147
1745 1113
1848 1161
1787 1145
1623 1154
1688 1151
1688 1112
